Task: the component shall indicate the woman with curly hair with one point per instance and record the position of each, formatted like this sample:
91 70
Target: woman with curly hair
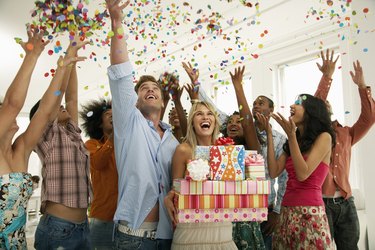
303 222
97 124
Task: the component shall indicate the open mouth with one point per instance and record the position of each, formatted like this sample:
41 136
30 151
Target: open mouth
205 125
292 112
151 97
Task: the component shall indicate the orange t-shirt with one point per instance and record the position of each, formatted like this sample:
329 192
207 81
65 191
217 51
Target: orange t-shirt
104 179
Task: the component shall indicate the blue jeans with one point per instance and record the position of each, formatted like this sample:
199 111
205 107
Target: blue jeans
57 233
125 241
101 234
343 222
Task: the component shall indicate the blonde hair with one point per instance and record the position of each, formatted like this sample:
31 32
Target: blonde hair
191 137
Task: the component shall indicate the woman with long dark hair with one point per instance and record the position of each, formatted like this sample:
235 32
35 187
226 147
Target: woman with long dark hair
306 157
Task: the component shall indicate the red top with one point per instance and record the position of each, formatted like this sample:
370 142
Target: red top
307 192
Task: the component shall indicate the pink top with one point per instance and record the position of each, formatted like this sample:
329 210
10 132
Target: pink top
307 192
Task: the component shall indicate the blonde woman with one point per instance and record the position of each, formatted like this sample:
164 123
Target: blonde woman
202 130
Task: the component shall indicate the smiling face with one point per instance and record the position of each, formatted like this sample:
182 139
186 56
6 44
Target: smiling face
297 111
173 118
203 121
149 97
234 127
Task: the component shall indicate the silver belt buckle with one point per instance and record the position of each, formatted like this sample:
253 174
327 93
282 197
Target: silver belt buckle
152 235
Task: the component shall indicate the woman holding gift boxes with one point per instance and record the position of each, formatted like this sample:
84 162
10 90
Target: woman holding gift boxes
203 129
303 222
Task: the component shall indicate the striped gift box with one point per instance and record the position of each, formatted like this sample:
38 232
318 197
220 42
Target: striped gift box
221 201
221 187
222 215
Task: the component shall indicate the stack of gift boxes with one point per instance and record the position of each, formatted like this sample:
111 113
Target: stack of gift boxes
227 195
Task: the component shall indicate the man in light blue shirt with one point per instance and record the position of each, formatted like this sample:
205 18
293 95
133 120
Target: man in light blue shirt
265 106
144 147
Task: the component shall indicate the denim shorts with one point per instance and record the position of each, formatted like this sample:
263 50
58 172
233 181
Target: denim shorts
56 233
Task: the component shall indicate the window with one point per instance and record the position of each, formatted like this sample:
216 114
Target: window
303 77
225 96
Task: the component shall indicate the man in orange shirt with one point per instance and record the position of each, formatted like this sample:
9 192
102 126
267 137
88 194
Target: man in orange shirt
337 193
97 117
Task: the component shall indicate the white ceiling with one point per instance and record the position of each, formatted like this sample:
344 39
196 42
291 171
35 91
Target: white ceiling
244 32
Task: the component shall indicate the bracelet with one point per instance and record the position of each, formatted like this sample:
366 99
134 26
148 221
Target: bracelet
193 101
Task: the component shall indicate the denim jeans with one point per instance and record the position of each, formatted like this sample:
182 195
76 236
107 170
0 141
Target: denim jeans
57 233
125 242
101 234
343 222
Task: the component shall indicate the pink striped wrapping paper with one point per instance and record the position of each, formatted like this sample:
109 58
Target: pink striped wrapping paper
221 201
222 187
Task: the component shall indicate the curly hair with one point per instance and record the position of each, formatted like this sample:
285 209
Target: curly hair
316 120
91 115
223 129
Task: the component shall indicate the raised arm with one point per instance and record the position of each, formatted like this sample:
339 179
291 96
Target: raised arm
48 105
367 116
16 94
275 165
71 95
318 152
194 75
327 68
119 53
247 121
176 98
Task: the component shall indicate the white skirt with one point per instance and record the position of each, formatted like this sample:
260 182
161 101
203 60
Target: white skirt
213 235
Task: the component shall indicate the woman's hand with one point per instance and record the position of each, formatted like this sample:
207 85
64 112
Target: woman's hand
193 73
288 126
35 44
169 205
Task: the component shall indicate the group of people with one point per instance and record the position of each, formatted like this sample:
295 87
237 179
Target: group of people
121 178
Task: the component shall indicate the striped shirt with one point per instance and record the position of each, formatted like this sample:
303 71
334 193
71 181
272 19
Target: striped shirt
65 166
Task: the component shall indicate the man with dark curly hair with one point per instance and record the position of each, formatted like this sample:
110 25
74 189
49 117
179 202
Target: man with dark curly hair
97 124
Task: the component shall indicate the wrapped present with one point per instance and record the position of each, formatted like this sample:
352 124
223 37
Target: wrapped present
202 152
221 187
254 166
221 201
197 170
227 162
222 215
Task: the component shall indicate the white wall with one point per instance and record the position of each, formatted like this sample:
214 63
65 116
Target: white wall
300 39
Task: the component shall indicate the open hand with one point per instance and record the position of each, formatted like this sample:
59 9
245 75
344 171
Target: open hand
357 75
35 44
288 125
328 64
193 73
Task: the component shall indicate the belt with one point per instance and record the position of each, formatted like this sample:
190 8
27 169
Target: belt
337 200
146 233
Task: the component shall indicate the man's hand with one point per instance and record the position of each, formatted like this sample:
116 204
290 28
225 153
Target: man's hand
328 65
357 76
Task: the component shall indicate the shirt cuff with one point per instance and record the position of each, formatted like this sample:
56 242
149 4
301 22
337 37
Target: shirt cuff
118 71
